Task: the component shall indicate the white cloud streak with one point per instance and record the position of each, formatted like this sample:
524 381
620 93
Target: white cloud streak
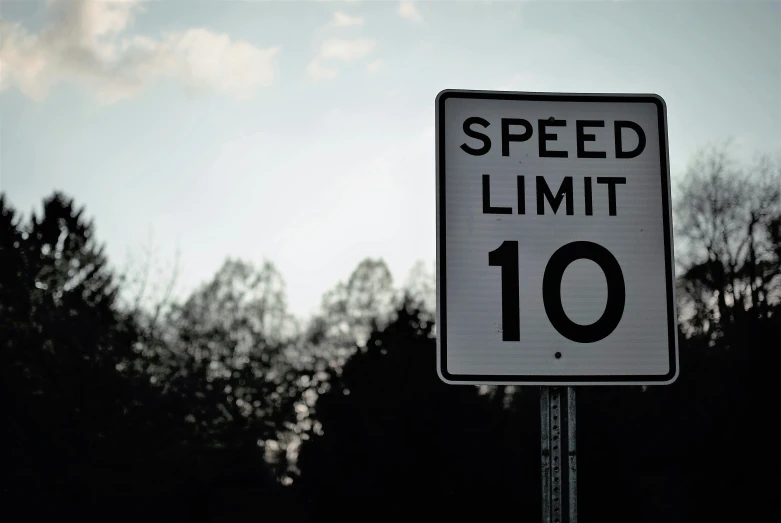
341 19
340 50
409 11
318 71
86 43
345 50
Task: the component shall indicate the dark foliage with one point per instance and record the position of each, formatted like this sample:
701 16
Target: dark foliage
396 437
85 432
695 450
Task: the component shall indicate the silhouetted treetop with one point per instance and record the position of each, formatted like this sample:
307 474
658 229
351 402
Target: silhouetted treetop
726 223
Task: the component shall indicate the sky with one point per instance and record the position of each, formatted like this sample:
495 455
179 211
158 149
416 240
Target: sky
303 132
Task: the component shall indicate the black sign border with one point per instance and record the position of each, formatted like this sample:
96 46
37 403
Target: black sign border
488 379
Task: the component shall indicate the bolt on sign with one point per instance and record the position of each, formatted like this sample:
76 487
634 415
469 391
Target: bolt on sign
554 239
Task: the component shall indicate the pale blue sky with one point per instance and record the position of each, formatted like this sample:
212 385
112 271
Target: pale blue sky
280 157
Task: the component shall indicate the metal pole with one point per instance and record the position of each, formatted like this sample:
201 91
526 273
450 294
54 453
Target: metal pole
555 441
545 452
572 454
554 413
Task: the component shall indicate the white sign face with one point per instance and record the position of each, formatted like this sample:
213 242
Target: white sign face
554 241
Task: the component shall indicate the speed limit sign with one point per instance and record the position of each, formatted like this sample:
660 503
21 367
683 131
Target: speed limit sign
554 242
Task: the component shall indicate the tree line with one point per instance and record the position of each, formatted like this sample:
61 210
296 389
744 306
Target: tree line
224 405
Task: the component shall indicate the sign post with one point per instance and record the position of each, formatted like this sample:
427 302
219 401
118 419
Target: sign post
558 455
554 253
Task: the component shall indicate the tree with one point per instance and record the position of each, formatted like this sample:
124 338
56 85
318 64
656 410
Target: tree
351 310
726 217
145 291
394 436
421 287
14 305
97 423
70 388
246 301
226 353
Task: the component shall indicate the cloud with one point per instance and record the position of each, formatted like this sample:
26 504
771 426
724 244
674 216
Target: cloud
318 71
341 50
345 50
373 66
408 10
86 42
341 19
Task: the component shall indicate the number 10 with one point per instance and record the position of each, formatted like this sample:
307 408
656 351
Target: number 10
506 257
